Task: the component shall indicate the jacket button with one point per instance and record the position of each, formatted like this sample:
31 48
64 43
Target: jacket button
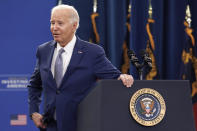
57 91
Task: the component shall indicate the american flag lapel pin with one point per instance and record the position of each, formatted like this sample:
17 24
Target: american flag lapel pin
80 52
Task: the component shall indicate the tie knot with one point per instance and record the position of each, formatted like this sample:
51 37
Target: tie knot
61 51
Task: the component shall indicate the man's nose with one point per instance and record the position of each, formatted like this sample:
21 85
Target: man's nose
55 27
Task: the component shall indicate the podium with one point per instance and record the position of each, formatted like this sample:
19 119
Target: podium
106 107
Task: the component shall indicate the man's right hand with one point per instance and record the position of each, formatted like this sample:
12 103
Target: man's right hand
37 118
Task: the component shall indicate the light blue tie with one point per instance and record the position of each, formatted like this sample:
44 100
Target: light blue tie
58 73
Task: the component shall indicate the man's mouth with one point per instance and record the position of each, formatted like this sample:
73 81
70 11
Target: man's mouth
56 35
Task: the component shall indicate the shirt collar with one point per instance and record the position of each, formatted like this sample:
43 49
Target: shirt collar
69 47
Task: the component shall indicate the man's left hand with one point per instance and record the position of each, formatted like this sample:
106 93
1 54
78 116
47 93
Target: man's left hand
126 79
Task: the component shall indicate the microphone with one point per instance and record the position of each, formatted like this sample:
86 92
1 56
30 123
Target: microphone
146 58
134 59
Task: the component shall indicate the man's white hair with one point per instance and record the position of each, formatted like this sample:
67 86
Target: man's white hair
74 16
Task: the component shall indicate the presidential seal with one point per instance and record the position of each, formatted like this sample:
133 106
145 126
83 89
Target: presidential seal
147 107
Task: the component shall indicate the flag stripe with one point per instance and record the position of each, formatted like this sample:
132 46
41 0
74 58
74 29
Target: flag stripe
18 120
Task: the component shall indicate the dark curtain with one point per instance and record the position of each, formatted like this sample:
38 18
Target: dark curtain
110 24
167 30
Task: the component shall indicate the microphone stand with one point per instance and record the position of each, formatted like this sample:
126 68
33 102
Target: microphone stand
140 67
140 71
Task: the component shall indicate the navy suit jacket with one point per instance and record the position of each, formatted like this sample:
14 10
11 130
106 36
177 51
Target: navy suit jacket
88 64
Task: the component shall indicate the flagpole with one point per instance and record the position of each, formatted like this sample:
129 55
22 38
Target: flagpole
153 73
93 19
95 6
150 11
188 16
60 2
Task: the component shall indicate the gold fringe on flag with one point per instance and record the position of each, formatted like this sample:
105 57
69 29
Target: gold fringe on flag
189 33
93 17
194 84
125 67
149 33
151 45
153 71
186 57
128 24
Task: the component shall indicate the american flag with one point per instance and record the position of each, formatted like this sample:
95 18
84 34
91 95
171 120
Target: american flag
18 120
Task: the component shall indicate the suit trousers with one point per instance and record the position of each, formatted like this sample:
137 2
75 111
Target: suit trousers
52 126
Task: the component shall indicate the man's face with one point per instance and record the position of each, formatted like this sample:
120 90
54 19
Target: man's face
61 27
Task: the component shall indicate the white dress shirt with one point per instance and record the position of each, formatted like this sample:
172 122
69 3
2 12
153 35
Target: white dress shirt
66 56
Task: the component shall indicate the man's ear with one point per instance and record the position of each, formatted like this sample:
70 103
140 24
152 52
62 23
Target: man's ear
74 25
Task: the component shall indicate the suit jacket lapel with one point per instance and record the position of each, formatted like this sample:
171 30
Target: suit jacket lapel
76 57
50 51
50 54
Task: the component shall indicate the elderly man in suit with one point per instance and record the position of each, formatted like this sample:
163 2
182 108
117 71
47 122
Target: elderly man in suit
66 69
